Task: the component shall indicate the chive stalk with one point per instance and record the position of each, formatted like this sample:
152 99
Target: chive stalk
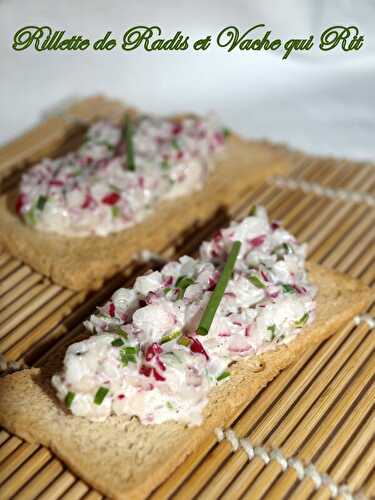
69 399
222 376
40 204
100 395
254 280
171 336
253 211
117 342
302 321
218 293
128 137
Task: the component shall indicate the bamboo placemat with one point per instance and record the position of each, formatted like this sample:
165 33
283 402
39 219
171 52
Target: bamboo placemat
319 411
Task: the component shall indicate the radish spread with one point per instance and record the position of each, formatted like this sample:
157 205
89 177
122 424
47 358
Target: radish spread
100 189
146 357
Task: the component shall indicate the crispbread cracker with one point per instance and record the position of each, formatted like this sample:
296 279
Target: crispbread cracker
84 263
128 460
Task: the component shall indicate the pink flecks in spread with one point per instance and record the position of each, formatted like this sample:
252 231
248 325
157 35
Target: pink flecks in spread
265 276
111 309
248 330
111 198
197 347
224 334
56 183
89 200
20 202
153 350
176 128
258 241
168 281
147 371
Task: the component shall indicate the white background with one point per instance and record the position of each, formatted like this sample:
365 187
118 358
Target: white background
318 101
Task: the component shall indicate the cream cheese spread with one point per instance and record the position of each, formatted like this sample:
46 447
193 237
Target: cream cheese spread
94 192
145 357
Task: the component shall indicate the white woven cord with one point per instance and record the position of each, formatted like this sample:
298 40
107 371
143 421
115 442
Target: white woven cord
266 455
365 318
316 188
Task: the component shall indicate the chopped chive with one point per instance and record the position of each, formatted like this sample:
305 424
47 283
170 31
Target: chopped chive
100 395
272 331
253 211
217 294
287 288
117 342
226 132
109 146
184 341
128 137
222 376
164 165
171 336
271 328
282 249
166 290
30 217
115 211
170 405
131 350
69 399
128 355
182 283
40 204
117 329
256 281
302 321
174 144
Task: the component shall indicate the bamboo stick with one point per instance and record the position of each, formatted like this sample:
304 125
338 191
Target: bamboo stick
58 486
24 473
40 481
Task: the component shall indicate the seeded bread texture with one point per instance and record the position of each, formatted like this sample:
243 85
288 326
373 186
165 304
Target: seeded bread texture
84 263
126 460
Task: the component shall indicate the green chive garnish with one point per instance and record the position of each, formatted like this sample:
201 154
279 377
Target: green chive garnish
69 399
42 200
288 288
302 321
171 336
117 329
175 144
253 211
271 328
128 355
182 283
30 217
222 376
117 342
217 294
256 281
115 211
166 290
184 341
128 137
282 249
226 132
100 395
